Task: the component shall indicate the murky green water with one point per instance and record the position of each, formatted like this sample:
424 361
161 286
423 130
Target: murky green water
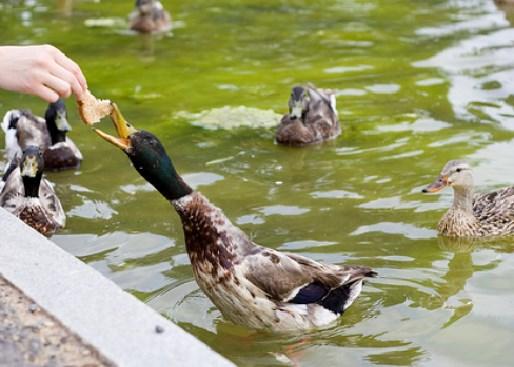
419 83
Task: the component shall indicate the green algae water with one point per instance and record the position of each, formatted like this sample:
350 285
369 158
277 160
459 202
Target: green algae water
418 83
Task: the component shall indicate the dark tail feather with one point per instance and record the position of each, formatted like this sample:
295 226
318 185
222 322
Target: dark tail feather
341 298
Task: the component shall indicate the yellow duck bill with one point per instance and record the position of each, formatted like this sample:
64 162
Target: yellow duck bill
123 128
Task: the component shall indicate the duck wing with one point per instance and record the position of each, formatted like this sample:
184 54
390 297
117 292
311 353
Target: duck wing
31 130
322 114
495 206
291 278
9 169
12 187
75 150
323 97
9 127
51 203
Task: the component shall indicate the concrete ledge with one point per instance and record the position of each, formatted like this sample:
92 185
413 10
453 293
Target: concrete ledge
121 328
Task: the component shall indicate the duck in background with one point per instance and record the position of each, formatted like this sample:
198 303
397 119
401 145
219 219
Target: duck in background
507 6
149 16
250 284
30 197
23 129
312 117
473 215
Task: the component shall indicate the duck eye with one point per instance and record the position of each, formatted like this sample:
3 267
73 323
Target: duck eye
459 169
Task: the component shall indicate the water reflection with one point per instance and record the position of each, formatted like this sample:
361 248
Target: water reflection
121 257
480 68
65 7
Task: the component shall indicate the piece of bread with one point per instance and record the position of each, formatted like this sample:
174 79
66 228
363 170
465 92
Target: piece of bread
92 110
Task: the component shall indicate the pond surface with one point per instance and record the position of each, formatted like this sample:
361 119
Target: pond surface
418 83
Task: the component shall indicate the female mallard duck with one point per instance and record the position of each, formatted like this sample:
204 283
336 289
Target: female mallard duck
149 16
312 117
29 196
250 284
23 129
472 215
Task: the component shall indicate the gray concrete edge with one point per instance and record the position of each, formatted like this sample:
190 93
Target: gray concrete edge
118 325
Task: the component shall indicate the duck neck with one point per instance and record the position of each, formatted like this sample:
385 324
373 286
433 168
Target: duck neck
463 199
163 176
171 185
175 188
31 185
56 135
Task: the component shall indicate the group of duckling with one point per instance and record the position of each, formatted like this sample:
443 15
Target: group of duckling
250 284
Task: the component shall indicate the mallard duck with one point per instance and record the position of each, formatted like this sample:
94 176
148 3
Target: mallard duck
149 16
473 215
29 196
312 117
23 129
250 284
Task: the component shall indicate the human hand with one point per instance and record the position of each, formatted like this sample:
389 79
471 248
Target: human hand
43 71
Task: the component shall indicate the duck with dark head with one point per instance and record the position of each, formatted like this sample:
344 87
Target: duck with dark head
312 117
26 194
250 284
23 129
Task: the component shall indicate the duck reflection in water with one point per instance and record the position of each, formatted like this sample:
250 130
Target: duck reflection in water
65 7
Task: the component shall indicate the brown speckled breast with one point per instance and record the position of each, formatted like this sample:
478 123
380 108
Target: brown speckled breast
36 218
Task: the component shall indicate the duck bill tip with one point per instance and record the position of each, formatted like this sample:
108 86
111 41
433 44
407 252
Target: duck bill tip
434 187
122 143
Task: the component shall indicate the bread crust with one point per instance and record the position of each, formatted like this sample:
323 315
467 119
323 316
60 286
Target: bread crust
91 109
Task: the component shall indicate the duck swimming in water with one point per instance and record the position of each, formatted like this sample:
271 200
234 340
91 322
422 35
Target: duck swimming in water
250 284
473 215
26 194
23 129
312 117
149 16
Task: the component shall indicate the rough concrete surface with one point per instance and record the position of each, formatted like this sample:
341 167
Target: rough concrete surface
30 337
116 324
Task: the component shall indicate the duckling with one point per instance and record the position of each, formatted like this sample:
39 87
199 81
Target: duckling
26 194
250 284
149 16
312 117
23 129
471 215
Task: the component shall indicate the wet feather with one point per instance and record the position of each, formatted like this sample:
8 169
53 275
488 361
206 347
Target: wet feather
319 121
257 286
